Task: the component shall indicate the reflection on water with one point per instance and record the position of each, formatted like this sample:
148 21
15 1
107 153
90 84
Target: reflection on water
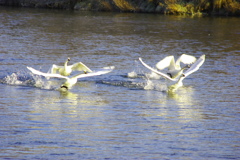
188 110
182 101
128 113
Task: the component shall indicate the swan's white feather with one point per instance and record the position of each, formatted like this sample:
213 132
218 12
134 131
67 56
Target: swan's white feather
80 67
49 75
157 72
96 73
169 62
191 70
165 62
195 66
67 70
104 70
186 59
70 81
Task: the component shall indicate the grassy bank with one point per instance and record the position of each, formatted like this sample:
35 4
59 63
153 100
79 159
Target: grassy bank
191 7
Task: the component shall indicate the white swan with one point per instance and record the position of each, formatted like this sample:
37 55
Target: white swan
174 68
72 80
194 67
67 70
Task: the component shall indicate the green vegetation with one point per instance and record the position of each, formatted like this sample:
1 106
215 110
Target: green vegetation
191 7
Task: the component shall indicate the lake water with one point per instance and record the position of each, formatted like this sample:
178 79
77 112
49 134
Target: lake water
116 115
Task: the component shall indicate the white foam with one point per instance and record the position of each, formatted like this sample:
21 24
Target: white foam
155 85
132 74
12 79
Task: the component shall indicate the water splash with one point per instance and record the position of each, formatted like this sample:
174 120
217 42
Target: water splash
156 85
132 74
23 79
12 80
153 75
152 81
128 84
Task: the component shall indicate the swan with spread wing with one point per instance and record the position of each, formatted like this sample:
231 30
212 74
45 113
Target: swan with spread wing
66 70
70 81
174 67
189 70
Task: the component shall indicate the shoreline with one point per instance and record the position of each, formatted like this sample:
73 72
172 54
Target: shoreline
167 7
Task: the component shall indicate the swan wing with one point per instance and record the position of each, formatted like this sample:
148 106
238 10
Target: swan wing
186 59
54 69
80 67
50 75
157 72
167 62
104 70
195 66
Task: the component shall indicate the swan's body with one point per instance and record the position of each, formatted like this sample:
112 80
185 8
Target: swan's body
174 68
72 80
67 70
194 67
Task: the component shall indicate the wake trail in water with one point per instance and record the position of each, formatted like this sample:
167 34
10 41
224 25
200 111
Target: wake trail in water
29 80
132 80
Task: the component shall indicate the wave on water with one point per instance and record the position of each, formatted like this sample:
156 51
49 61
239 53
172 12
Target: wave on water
139 81
133 80
23 79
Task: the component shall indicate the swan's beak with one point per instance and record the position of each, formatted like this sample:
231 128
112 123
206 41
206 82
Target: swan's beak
186 67
68 59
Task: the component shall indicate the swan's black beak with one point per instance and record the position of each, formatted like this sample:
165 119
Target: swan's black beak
186 67
68 59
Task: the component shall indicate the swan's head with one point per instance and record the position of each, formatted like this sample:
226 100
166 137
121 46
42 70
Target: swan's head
186 67
64 87
170 75
68 59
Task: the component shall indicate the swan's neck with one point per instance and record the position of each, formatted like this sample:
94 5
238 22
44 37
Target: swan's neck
179 82
177 64
65 64
175 86
177 73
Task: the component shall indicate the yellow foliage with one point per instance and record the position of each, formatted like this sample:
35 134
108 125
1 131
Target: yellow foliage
174 6
233 7
124 5
230 5
177 8
219 3
106 5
